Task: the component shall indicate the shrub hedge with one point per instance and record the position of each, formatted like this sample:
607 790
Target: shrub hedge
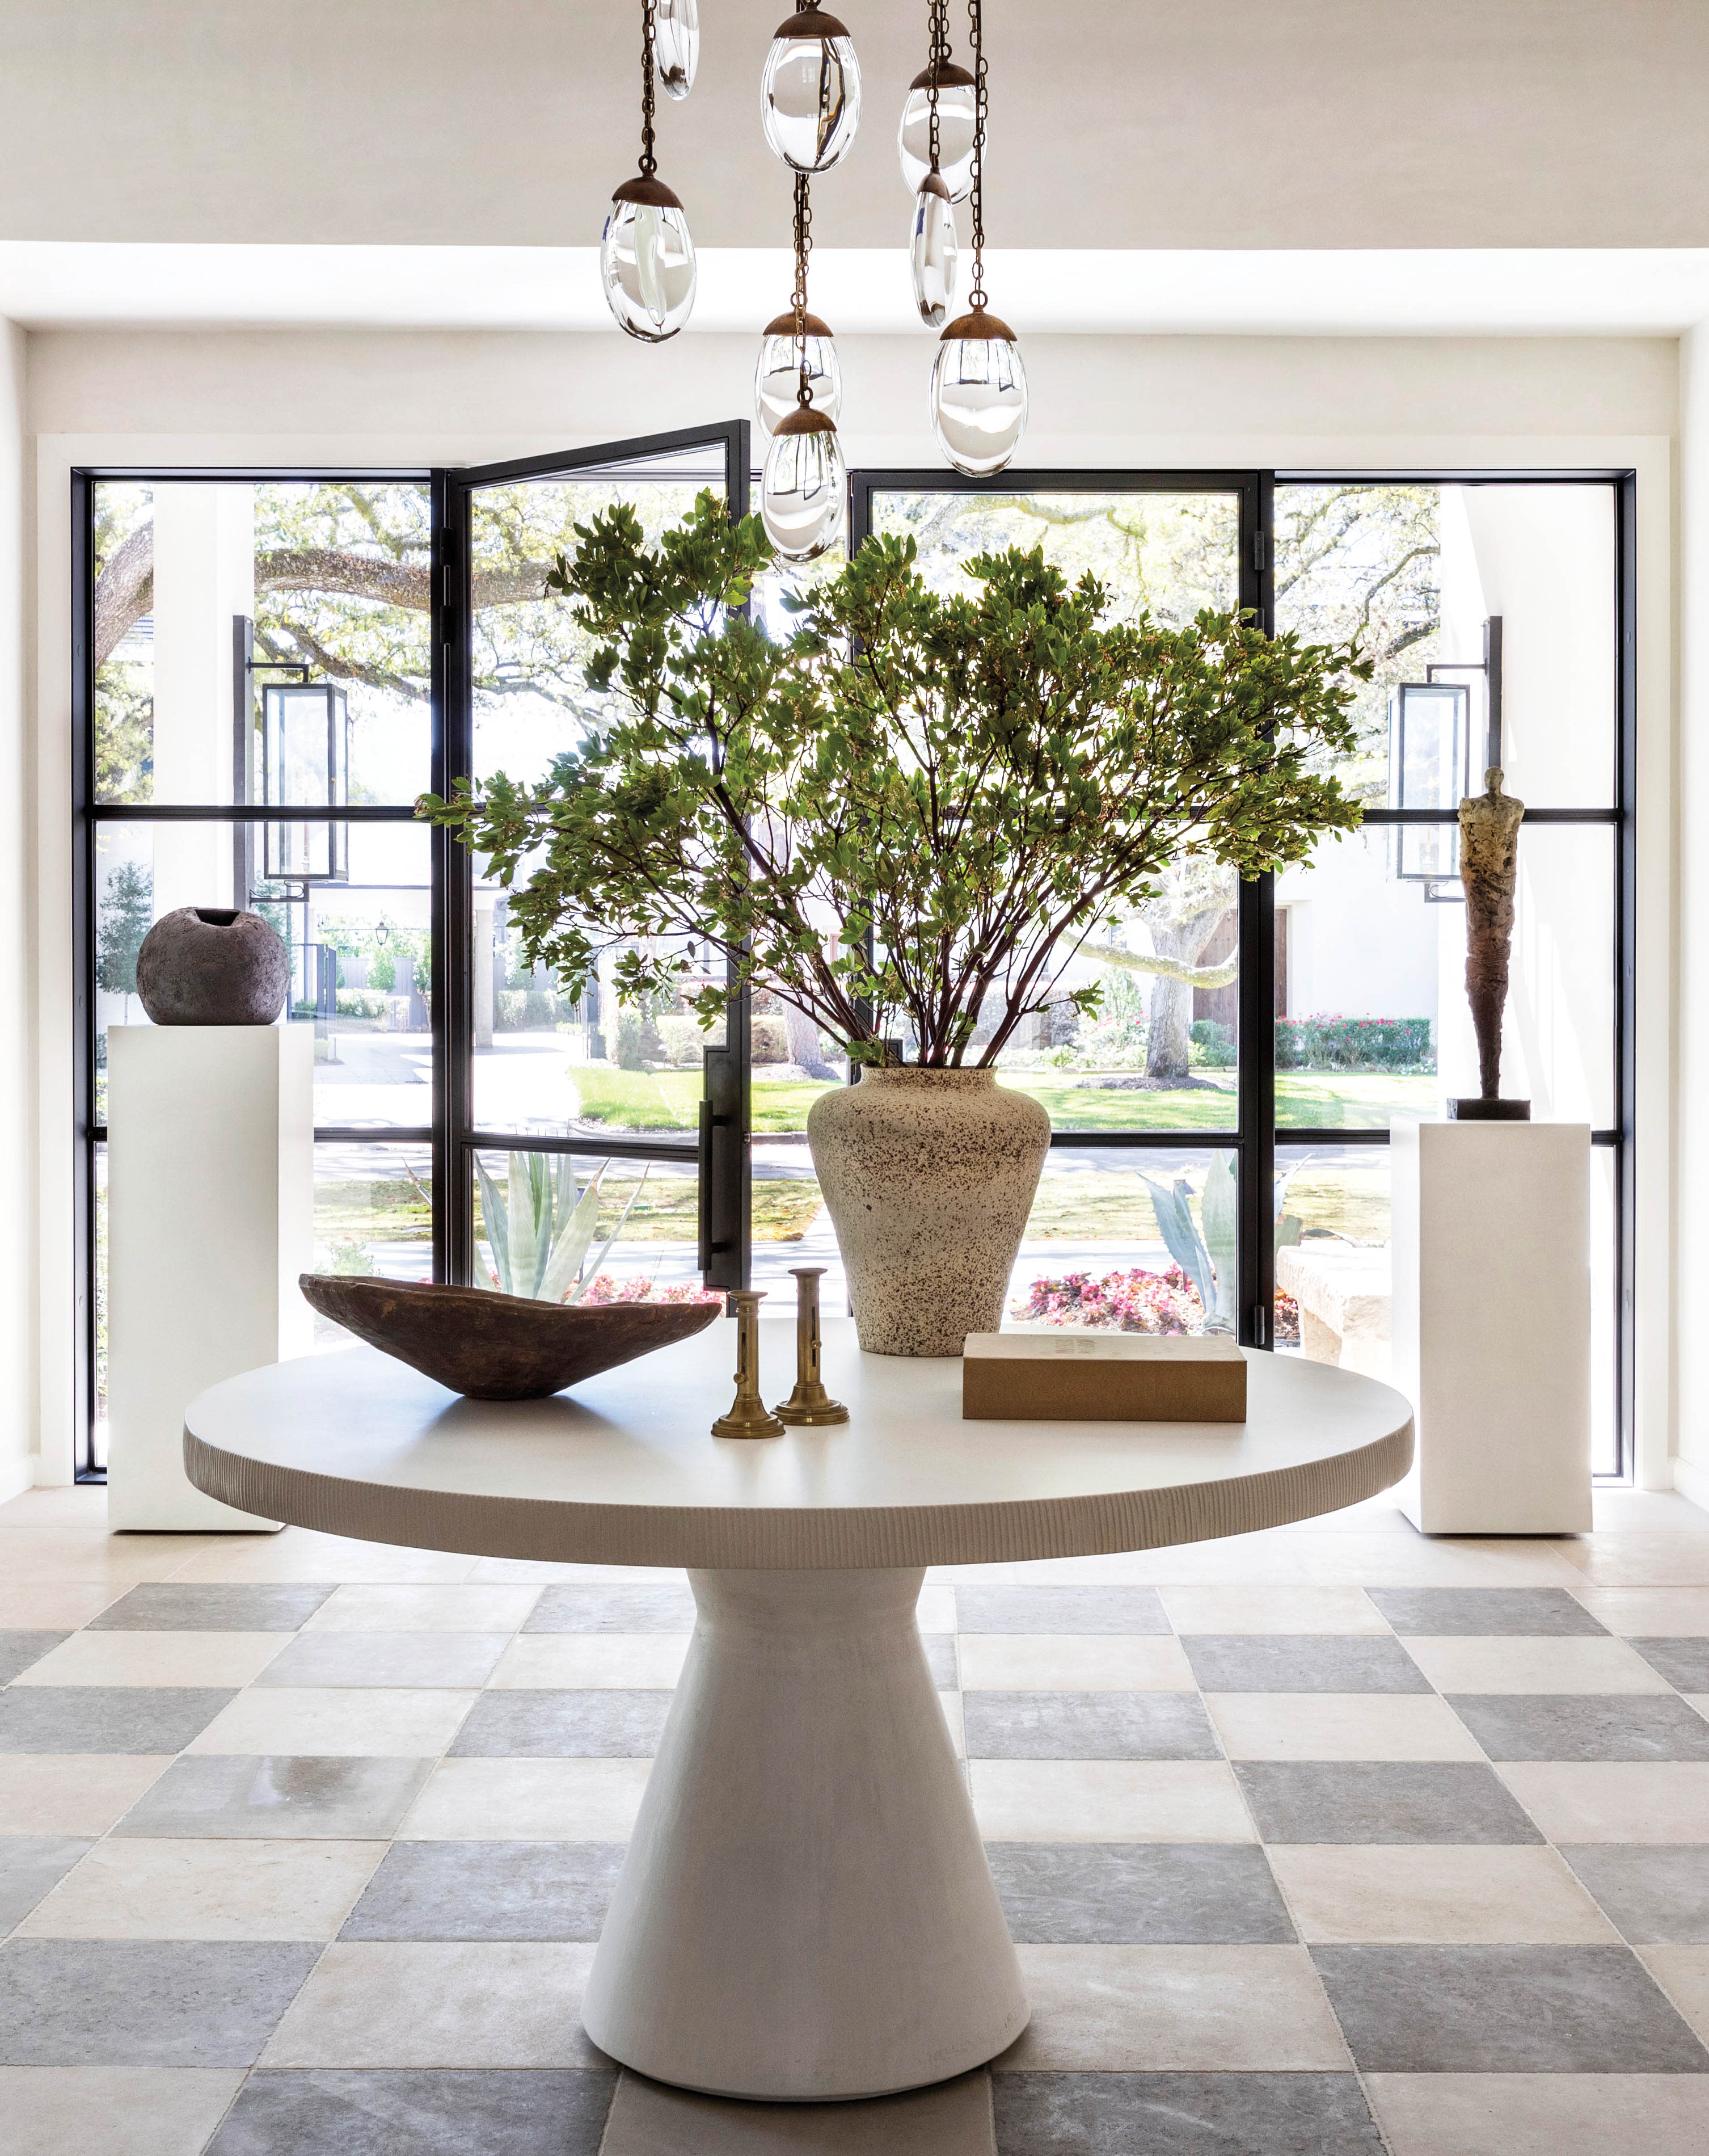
1353 1043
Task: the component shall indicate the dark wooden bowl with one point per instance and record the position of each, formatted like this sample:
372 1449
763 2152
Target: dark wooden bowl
493 1347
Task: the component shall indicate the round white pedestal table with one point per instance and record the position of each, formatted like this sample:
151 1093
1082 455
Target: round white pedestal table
805 1912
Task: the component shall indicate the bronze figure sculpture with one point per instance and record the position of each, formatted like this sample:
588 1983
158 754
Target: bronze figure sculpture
1489 870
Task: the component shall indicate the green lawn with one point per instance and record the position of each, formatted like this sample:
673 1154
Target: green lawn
1306 1099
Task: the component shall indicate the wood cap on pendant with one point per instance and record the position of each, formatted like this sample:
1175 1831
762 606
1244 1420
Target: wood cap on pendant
934 184
978 326
949 77
647 188
811 22
804 419
783 325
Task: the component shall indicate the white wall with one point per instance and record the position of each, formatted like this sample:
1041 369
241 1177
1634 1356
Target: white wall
415 399
18 1393
1691 1277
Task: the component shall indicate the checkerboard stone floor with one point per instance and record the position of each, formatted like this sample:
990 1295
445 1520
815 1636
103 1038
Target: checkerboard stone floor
1328 1841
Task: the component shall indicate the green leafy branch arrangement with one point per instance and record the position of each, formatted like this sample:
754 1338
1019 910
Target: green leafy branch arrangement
908 814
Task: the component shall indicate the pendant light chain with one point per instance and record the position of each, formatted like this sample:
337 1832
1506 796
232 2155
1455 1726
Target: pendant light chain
940 60
803 243
976 10
649 9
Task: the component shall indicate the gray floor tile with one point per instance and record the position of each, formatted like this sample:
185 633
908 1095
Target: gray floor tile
459 1661
566 1725
1088 1725
488 1890
170 1607
1432 1613
154 2002
18 1650
1183 2115
940 1658
448 2113
1582 1725
1128 1893
31 1864
1685 1663
625 1607
1060 1610
1655 1896
1442 1802
293 1796
1504 2010
105 1718
948 2118
1298 1661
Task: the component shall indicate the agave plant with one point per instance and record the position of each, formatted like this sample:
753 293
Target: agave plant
539 1226
1204 1249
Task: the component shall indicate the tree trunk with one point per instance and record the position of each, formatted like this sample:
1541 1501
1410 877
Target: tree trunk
1169 1033
805 1049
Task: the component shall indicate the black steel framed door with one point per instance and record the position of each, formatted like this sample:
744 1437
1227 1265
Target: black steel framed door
501 695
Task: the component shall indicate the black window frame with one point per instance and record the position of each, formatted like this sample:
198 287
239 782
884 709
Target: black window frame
723 1149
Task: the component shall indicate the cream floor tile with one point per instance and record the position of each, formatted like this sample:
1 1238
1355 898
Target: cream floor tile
1175 2009
528 1800
1396 1894
591 1661
935 1609
1643 1560
454 2005
336 1722
1243 1560
90 1555
1108 1800
136 1889
72 1794
312 1559
460 1609
1649 1612
1066 1662
67 1505
155 1658
1647 1512
1350 1560
113 2111
1683 1973
1231 1609
1472 1663
1274 1725
1542 2114
49 1605
1636 1801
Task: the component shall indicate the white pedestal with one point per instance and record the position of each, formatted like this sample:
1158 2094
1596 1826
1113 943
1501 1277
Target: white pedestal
210 1218
1491 1323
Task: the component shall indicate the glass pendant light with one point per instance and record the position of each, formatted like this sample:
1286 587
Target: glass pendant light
979 380
777 376
802 487
646 253
955 113
932 251
679 42
810 91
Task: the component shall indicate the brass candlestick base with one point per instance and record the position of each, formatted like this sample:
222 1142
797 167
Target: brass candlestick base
809 1405
747 1416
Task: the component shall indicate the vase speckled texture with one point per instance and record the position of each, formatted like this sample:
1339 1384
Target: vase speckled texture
930 1177
207 965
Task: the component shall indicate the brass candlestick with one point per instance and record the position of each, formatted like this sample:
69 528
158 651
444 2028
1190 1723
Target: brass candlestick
809 1403
747 1416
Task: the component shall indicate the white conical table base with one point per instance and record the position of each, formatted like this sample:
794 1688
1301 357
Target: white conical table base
805 1910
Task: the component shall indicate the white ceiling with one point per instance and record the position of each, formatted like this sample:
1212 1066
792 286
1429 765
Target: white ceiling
47 285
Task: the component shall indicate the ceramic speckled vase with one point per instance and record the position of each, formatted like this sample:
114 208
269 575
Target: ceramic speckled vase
929 1176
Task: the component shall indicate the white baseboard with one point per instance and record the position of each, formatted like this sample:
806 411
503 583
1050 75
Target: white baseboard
1691 1481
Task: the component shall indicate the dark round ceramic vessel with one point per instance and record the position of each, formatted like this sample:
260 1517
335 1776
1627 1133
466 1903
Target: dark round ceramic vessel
493 1347
208 965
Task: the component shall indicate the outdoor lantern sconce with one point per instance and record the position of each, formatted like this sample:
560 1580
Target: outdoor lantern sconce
306 764
1435 762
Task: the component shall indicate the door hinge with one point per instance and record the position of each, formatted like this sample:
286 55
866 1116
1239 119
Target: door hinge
1258 549
1260 1326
